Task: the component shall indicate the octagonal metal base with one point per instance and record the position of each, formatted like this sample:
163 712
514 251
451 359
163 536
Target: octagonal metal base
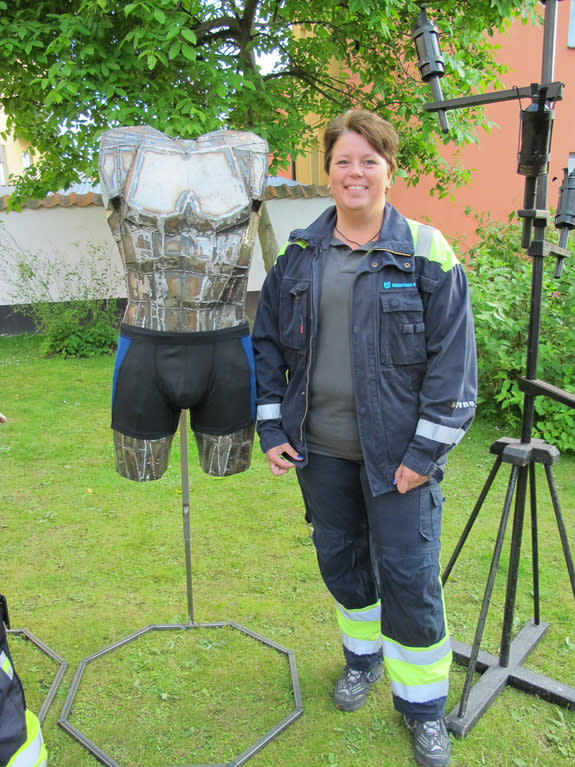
62 666
239 760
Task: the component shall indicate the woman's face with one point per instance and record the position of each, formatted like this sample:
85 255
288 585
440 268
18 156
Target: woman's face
359 177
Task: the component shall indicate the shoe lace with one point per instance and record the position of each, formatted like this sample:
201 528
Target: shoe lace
435 734
353 675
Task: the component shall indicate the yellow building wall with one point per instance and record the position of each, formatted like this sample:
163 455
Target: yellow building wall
13 154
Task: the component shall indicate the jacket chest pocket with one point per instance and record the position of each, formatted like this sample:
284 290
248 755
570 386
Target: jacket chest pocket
402 330
294 313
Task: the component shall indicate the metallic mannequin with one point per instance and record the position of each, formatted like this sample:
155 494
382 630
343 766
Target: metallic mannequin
184 214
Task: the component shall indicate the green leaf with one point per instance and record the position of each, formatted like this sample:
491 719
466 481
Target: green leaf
174 51
130 8
189 52
188 35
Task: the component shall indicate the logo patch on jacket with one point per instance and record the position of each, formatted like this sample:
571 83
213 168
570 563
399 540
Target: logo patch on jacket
388 285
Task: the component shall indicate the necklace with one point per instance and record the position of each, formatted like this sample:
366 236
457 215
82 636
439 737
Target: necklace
359 244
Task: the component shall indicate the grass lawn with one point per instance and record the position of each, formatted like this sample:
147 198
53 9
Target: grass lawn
89 558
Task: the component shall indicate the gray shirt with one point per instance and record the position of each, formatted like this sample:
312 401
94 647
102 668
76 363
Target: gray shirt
332 423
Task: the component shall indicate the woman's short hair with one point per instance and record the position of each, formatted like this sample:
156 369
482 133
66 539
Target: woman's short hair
379 133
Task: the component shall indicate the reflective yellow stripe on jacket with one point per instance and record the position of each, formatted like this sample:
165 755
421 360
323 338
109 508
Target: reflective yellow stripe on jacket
33 752
5 665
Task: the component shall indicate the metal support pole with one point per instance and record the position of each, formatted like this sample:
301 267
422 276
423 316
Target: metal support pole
186 512
561 527
472 518
514 557
534 545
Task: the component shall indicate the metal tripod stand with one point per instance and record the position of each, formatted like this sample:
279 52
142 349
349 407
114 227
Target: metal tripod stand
525 453
522 455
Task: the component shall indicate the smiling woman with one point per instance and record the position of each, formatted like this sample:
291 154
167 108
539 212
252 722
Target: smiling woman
359 160
369 313
359 178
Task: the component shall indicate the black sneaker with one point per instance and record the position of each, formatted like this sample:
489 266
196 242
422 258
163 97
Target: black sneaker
431 745
353 685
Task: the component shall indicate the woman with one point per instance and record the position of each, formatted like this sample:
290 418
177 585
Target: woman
366 377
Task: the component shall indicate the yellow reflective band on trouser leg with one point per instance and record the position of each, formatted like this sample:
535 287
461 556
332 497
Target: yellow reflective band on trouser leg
418 674
33 752
360 629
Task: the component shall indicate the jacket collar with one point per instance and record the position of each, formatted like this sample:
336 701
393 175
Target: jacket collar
395 234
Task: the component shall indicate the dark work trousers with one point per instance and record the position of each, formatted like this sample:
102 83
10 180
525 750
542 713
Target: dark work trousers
384 548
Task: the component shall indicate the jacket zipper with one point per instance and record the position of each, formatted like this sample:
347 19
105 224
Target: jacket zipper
306 392
311 335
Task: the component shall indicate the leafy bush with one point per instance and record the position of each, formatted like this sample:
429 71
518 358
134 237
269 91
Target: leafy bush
81 329
69 305
500 276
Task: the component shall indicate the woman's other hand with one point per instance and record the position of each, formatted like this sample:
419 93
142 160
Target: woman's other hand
406 479
282 458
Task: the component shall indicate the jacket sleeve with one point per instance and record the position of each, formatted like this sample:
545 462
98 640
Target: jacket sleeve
449 389
270 364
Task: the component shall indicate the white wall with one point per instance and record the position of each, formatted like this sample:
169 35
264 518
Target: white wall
69 235
72 234
285 215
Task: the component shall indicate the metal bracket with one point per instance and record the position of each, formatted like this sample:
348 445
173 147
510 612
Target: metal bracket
62 666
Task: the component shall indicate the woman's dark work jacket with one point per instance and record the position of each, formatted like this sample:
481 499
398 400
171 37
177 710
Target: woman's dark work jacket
412 340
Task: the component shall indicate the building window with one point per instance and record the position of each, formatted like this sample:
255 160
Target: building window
26 159
571 35
3 166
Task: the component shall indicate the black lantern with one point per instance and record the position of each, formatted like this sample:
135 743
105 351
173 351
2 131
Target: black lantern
426 39
430 60
536 127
